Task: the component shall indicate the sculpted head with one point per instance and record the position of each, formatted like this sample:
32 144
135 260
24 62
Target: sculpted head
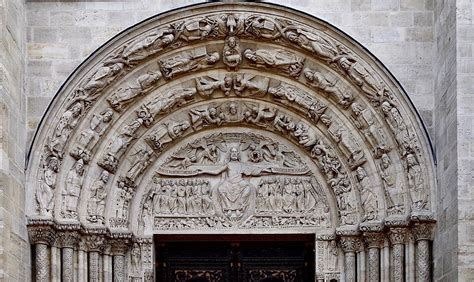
213 58
345 63
326 120
107 115
250 55
104 176
386 107
292 36
234 154
357 108
361 174
308 73
76 109
233 108
167 39
79 167
411 160
232 42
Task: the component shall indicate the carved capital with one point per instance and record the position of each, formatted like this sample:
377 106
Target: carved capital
41 232
69 239
95 242
423 231
398 235
350 243
119 243
374 239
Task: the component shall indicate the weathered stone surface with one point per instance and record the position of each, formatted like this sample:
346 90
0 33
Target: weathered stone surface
426 44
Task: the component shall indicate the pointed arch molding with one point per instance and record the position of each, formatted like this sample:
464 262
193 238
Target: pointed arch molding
142 135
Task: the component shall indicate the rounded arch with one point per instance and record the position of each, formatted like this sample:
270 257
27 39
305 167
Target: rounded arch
212 68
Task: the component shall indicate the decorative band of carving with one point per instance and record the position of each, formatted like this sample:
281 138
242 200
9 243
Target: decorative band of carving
398 235
350 243
374 240
423 231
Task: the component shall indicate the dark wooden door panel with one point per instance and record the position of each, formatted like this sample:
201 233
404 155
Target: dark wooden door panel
235 259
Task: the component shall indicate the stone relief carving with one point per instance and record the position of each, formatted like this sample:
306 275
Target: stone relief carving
365 120
89 137
205 86
360 76
393 189
126 95
166 133
188 62
117 146
228 27
347 142
111 68
143 158
152 43
66 124
276 59
47 184
97 198
124 194
72 190
416 184
135 259
180 197
176 97
315 42
397 125
368 197
256 85
260 26
231 55
288 94
320 82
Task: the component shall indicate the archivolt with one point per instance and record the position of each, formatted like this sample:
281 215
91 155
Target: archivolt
176 74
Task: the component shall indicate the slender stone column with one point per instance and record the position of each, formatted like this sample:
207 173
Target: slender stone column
42 235
42 262
361 263
350 245
81 254
386 260
423 234
94 266
411 258
69 240
107 264
95 244
119 247
397 238
374 242
55 261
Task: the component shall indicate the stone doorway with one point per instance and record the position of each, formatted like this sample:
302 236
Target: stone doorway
252 258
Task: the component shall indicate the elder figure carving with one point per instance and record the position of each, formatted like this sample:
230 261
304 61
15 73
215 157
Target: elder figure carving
73 189
283 60
45 193
98 194
126 95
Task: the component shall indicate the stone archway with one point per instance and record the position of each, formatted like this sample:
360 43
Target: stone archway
231 118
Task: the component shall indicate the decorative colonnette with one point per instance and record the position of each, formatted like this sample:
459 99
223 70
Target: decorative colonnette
383 101
70 252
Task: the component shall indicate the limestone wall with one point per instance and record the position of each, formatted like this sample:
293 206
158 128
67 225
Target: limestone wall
14 254
465 136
